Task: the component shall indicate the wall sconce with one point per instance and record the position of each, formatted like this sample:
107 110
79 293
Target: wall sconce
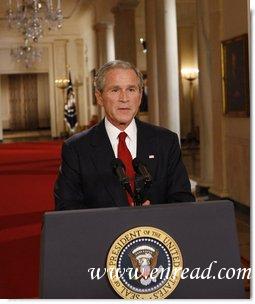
143 43
61 83
191 74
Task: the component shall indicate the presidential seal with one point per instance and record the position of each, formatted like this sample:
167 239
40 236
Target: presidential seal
144 263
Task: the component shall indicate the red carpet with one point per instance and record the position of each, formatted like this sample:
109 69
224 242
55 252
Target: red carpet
27 175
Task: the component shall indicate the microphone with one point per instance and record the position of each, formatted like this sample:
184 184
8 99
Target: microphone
142 170
119 170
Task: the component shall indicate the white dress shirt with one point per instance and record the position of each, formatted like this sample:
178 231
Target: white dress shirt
131 139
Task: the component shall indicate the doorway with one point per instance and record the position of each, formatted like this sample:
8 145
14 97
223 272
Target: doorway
25 105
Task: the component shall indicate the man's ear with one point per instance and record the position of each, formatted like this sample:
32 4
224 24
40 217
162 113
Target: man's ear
99 97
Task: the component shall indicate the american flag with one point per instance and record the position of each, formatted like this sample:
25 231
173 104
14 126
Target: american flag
70 107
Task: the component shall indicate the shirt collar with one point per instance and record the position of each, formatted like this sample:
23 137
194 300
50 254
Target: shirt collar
131 130
114 132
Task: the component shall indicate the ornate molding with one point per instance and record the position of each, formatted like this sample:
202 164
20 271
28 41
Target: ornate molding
125 5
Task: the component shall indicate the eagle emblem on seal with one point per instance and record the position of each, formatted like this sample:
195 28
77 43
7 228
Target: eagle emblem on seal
144 259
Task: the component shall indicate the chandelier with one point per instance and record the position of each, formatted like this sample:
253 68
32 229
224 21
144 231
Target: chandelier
31 17
27 53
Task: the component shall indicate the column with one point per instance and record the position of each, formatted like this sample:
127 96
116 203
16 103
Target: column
167 63
152 71
105 42
79 83
124 30
205 94
59 63
105 48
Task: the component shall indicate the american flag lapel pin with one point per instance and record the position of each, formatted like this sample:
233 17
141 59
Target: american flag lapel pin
151 156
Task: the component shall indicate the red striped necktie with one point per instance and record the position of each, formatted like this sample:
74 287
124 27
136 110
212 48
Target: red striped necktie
126 157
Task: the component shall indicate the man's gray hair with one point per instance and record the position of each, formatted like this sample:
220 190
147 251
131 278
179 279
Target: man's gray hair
99 80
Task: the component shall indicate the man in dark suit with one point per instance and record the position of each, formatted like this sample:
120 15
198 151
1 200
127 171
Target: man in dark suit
86 177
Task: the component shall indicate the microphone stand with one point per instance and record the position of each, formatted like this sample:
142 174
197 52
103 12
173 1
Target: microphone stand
139 185
142 180
119 170
126 185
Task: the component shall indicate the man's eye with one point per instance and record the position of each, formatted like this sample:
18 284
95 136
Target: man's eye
115 90
132 90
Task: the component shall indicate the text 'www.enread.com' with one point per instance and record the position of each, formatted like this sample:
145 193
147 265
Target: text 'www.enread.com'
183 273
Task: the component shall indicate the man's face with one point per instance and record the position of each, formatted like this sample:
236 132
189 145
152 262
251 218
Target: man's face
120 97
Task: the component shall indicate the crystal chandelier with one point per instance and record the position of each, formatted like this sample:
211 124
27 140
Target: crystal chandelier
31 17
28 54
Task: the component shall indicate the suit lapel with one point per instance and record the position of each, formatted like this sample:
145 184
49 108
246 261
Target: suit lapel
146 147
102 158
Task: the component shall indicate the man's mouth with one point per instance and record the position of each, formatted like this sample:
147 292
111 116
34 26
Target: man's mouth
123 109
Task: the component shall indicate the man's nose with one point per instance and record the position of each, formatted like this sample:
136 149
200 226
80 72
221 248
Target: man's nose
123 96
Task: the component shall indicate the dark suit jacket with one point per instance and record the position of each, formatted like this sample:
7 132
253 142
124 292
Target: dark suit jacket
86 178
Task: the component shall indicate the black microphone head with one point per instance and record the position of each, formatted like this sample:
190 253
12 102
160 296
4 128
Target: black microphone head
116 163
119 169
136 163
141 169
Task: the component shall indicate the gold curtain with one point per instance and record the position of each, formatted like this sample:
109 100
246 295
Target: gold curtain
23 102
